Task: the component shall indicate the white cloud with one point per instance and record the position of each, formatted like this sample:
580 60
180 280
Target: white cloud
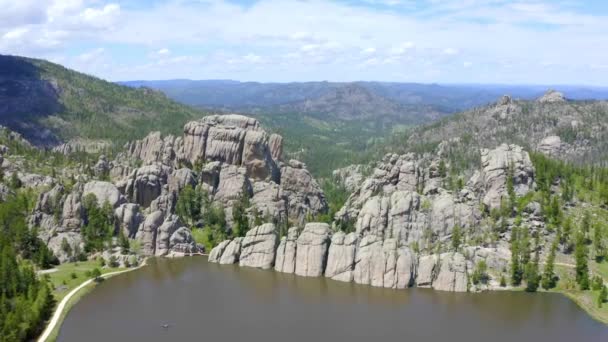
368 51
402 48
319 39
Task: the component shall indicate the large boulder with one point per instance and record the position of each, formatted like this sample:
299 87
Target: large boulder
182 242
104 192
286 252
311 250
258 247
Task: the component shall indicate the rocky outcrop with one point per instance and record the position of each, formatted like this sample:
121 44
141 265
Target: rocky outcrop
164 234
302 192
145 184
350 177
552 96
500 163
259 246
311 250
224 155
148 232
551 146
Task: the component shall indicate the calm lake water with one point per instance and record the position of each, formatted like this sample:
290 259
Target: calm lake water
208 302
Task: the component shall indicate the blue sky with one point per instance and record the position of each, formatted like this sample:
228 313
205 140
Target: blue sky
445 41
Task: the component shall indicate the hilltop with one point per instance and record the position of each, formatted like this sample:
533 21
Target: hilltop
50 104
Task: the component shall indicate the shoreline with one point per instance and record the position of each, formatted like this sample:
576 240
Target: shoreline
64 306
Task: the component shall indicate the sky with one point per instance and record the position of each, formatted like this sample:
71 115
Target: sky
430 41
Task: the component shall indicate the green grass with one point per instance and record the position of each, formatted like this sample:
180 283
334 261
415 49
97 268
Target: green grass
587 300
62 278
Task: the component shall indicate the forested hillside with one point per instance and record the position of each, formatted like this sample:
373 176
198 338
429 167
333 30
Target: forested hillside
50 104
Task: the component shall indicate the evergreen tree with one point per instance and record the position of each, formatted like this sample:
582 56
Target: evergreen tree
598 243
456 237
549 278
582 268
602 296
516 272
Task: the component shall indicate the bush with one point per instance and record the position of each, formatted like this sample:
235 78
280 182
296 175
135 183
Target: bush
480 274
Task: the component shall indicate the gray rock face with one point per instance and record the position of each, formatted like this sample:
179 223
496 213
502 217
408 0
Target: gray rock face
102 167
427 270
72 213
551 146
275 143
234 153
495 169
233 181
180 179
383 264
232 252
452 274
128 219
370 262
181 241
73 240
104 192
216 253
48 201
259 246
164 234
268 199
552 96
286 252
301 190
148 232
341 257
311 250
350 177
145 184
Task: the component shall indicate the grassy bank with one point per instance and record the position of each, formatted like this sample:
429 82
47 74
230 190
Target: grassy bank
68 277
587 300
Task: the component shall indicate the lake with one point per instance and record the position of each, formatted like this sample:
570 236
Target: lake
201 301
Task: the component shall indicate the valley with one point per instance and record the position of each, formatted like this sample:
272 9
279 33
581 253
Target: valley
509 196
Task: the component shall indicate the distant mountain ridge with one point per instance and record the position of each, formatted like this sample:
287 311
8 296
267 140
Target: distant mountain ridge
444 98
